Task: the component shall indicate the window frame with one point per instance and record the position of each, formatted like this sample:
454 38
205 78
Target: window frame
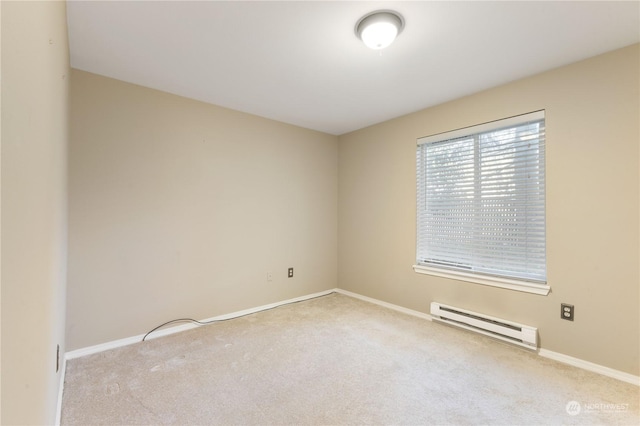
511 283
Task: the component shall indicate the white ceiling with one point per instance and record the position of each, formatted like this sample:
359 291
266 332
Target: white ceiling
300 62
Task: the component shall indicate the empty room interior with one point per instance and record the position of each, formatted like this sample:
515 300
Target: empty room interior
301 212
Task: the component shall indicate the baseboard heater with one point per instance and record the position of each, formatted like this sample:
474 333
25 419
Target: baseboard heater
519 334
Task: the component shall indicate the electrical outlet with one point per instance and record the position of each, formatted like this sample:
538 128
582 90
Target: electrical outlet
269 276
57 358
566 311
290 274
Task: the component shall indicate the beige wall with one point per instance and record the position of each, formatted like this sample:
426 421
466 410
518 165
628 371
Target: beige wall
35 75
180 209
592 119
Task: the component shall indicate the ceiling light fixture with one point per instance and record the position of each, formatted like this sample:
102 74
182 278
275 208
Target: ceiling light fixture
378 29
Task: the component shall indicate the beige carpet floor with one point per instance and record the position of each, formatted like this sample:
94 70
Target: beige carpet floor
336 360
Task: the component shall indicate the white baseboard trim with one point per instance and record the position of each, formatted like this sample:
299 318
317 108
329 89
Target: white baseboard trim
176 329
385 304
566 359
90 350
590 366
63 372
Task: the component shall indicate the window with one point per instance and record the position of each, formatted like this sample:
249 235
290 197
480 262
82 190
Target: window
481 204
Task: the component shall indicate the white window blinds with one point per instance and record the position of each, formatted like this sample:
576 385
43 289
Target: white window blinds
481 199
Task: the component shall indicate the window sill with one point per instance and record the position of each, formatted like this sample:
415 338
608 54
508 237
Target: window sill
516 285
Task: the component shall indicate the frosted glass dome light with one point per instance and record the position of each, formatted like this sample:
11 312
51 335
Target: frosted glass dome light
379 29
